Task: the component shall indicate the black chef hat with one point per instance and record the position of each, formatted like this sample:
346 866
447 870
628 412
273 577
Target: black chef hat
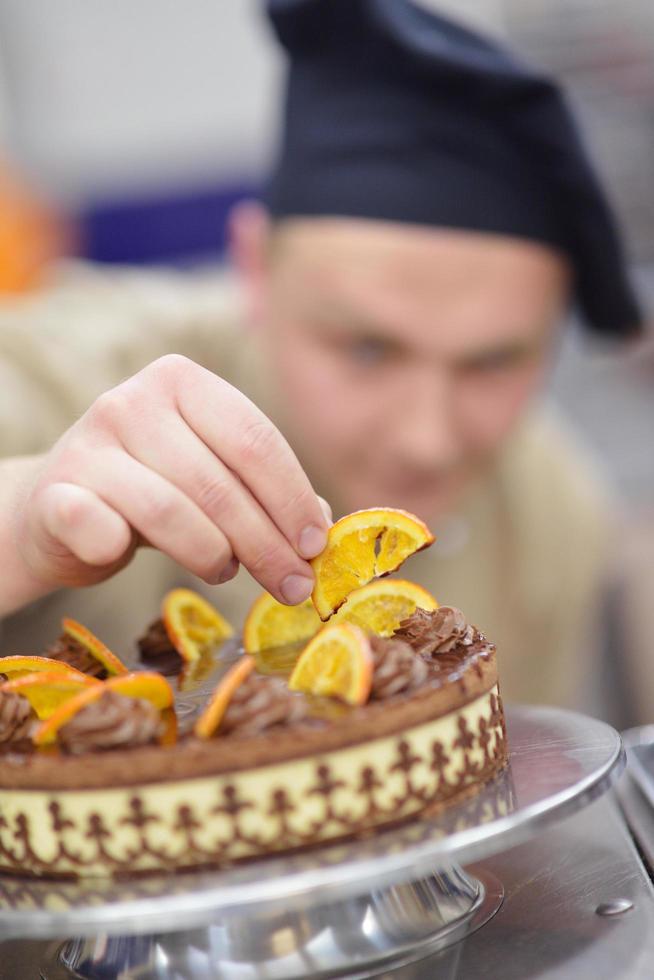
394 112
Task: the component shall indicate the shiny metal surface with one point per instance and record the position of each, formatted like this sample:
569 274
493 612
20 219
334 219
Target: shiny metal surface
639 817
617 906
559 762
635 790
547 927
401 923
639 746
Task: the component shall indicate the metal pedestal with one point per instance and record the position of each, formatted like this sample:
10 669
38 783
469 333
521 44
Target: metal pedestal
347 910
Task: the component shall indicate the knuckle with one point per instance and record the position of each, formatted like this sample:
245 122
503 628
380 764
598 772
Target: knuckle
210 567
211 556
298 503
71 509
259 442
269 558
113 408
170 367
132 398
212 495
161 510
102 412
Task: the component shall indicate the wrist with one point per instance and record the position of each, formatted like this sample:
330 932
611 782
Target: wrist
18 583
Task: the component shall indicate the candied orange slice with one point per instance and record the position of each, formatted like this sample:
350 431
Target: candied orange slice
336 663
94 646
144 684
380 606
270 623
193 625
47 690
170 727
150 687
19 666
363 546
212 715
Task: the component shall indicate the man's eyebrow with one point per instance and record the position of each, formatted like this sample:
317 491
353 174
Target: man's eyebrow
522 347
338 319
357 323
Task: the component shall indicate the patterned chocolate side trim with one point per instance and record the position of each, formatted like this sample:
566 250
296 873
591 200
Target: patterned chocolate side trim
222 819
17 892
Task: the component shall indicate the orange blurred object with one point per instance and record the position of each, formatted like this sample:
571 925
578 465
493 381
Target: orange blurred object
94 646
31 236
214 712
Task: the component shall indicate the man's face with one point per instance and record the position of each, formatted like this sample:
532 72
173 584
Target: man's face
403 356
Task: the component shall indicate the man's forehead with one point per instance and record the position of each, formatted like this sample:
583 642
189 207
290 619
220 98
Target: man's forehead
367 246
410 283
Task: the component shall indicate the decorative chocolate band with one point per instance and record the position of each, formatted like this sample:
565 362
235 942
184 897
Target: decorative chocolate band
224 818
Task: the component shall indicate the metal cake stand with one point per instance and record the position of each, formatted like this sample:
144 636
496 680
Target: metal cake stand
343 910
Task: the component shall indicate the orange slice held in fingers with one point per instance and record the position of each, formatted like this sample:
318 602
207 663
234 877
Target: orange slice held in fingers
145 685
47 690
94 646
363 546
19 666
193 625
380 606
270 623
336 663
209 721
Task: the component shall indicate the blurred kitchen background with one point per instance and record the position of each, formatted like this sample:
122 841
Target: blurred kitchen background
137 124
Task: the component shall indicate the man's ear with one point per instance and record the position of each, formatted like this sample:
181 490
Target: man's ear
248 228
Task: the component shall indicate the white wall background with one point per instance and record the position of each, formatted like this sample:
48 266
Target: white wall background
103 95
118 96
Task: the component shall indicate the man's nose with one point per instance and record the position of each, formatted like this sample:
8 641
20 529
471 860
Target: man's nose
426 425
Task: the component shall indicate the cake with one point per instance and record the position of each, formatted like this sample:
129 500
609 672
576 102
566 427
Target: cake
118 794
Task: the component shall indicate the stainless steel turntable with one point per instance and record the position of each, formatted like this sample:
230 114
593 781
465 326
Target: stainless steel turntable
348 910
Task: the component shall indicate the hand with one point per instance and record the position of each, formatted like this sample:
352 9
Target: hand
178 459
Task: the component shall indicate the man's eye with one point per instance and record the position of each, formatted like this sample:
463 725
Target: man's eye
370 351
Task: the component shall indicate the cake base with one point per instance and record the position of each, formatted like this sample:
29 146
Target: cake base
260 918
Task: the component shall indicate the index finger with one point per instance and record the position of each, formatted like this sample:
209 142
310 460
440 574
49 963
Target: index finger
245 439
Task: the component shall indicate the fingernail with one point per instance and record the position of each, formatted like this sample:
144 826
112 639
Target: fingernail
326 509
229 571
296 588
312 541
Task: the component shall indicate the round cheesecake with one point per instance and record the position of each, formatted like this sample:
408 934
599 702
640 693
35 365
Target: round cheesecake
288 772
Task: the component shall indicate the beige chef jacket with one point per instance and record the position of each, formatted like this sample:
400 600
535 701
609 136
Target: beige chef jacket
525 557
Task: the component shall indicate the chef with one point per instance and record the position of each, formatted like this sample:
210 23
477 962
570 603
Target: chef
395 304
